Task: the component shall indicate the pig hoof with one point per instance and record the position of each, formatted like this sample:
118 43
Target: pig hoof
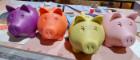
75 50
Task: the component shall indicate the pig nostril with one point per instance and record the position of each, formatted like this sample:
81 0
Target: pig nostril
90 47
131 40
127 40
49 34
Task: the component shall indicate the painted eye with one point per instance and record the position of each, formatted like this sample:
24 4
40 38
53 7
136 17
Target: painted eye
119 23
45 18
56 18
82 28
22 15
130 23
95 28
11 16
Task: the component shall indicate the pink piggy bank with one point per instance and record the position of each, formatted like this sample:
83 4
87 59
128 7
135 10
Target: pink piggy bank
120 29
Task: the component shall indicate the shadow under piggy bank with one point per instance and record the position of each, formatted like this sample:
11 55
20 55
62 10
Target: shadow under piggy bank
45 42
15 39
118 49
78 56
107 54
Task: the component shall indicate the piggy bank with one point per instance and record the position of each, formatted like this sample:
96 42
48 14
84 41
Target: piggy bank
86 34
52 25
22 21
120 29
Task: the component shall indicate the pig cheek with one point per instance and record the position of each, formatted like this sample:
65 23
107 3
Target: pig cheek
132 26
10 19
12 26
60 29
41 25
133 29
113 41
114 30
57 28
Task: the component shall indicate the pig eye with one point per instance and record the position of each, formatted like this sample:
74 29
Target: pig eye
119 23
130 23
95 28
22 15
12 15
45 18
82 28
56 18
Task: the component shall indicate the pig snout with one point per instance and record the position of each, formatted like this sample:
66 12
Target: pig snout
89 48
128 41
13 29
49 33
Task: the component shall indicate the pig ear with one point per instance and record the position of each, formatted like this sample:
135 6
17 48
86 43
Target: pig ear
43 10
25 8
78 19
98 19
9 8
133 15
115 16
58 11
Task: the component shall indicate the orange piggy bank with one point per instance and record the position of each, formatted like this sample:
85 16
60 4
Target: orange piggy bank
52 25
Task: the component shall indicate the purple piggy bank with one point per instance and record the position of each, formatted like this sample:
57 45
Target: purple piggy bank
22 21
120 29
